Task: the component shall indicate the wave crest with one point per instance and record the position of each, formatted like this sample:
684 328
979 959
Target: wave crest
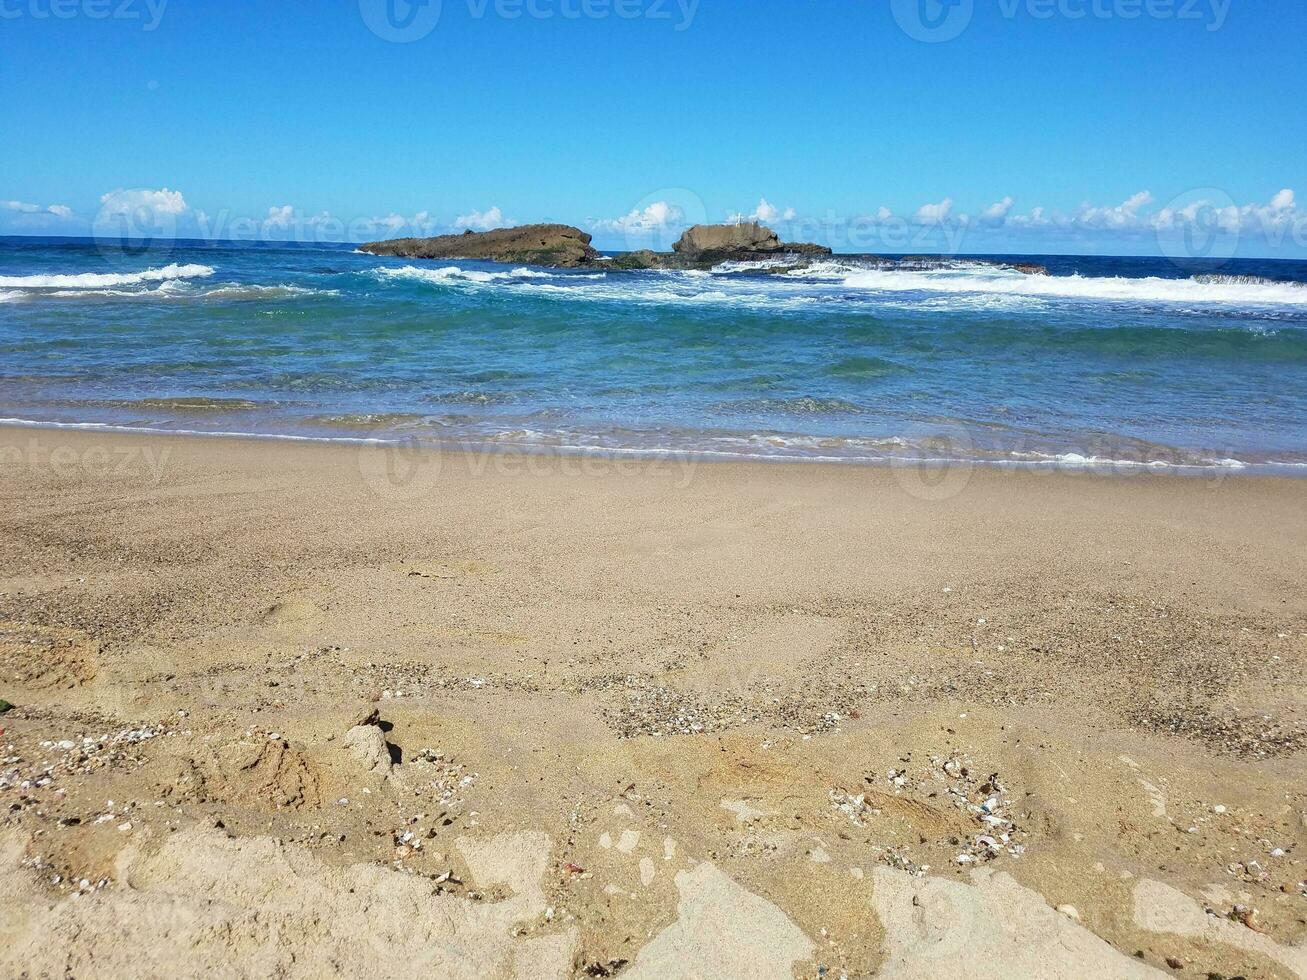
106 280
962 279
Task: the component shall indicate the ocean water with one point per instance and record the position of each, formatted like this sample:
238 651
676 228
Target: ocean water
1115 362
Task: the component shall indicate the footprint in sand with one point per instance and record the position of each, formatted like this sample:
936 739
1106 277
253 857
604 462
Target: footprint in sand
448 569
294 611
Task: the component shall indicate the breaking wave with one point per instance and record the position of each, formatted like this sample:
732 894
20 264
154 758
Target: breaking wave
981 280
172 289
106 280
453 274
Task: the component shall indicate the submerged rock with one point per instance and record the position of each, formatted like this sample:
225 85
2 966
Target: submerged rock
550 245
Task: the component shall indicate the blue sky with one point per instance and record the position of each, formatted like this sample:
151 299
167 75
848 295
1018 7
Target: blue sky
1015 125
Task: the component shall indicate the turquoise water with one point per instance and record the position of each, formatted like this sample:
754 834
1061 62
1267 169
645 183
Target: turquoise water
1136 361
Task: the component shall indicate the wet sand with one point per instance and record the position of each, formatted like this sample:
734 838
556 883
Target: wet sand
294 709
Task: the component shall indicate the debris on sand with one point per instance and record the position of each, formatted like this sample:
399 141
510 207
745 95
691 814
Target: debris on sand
369 715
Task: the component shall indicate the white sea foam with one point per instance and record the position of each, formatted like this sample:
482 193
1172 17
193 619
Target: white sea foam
235 291
753 265
106 280
453 274
174 290
984 280
673 287
961 284
892 450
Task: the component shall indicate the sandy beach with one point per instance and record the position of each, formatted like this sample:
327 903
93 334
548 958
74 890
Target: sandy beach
302 709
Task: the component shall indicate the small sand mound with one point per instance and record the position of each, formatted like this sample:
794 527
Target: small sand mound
42 658
258 771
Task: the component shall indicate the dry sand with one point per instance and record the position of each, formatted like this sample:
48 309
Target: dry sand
295 710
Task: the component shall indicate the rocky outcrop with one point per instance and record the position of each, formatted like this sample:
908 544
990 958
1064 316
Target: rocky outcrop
641 259
708 240
551 245
701 247
563 246
705 246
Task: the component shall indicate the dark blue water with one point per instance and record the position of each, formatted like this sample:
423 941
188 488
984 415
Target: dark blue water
1128 359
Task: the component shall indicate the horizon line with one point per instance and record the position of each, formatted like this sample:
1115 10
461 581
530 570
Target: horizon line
269 243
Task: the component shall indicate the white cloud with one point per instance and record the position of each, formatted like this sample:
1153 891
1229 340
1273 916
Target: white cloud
657 217
22 207
392 222
996 213
764 213
1283 201
1123 216
419 225
137 200
1215 213
1270 221
290 223
279 217
934 214
481 220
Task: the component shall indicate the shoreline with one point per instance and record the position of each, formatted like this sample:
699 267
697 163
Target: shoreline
1067 463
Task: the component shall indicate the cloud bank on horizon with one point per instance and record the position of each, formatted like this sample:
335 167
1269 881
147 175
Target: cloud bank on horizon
1276 226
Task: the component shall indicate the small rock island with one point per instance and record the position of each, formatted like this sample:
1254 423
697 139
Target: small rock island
701 247
562 246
